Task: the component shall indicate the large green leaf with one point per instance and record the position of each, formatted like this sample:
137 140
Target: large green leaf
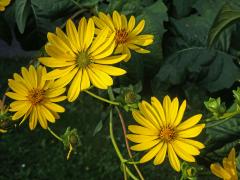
210 69
223 137
229 14
183 7
22 11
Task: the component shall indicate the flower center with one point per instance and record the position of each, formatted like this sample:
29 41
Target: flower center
35 96
83 59
167 134
121 36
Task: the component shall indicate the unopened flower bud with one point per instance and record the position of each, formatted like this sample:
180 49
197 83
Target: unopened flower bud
215 106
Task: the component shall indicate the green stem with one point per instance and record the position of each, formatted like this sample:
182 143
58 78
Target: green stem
55 135
101 98
222 119
111 96
116 147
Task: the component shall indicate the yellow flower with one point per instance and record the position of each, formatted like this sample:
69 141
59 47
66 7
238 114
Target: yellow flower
161 131
3 4
126 34
228 171
35 97
81 59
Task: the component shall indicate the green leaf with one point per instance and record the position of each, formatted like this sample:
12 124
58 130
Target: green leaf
98 128
223 137
183 7
228 15
208 68
22 11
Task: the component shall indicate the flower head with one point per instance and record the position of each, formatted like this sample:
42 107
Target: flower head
80 59
126 34
228 171
35 97
162 132
3 4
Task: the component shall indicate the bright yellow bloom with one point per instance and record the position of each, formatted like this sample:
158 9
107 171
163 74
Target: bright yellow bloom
35 97
126 34
161 131
3 4
81 59
228 171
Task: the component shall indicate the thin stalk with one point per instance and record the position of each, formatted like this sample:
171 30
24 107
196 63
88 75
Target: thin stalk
116 147
101 98
55 135
111 96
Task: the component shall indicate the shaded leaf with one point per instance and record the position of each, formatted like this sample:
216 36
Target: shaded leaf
22 11
208 68
228 15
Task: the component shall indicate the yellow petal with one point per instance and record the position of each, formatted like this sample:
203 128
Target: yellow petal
99 40
141 138
111 70
174 110
21 112
180 113
48 115
138 49
89 33
99 23
64 80
173 159
19 88
85 83
191 132
158 107
161 155
180 151
131 23
143 130
57 73
57 99
82 31
16 96
111 59
138 29
74 90
104 45
166 107
194 143
102 76
139 118
73 36
95 79
50 93
33 119
54 107
219 171
189 122
107 20
148 112
127 52
145 145
148 156
117 20
124 22
52 62
41 118
55 52
107 52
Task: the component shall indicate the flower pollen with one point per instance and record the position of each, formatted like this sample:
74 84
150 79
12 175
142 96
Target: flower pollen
35 96
83 59
167 134
121 36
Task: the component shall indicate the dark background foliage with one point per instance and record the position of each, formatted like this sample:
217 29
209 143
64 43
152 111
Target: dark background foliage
181 63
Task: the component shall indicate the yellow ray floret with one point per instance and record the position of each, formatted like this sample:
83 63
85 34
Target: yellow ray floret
228 171
162 133
3 4
80 59
127 36
35 97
